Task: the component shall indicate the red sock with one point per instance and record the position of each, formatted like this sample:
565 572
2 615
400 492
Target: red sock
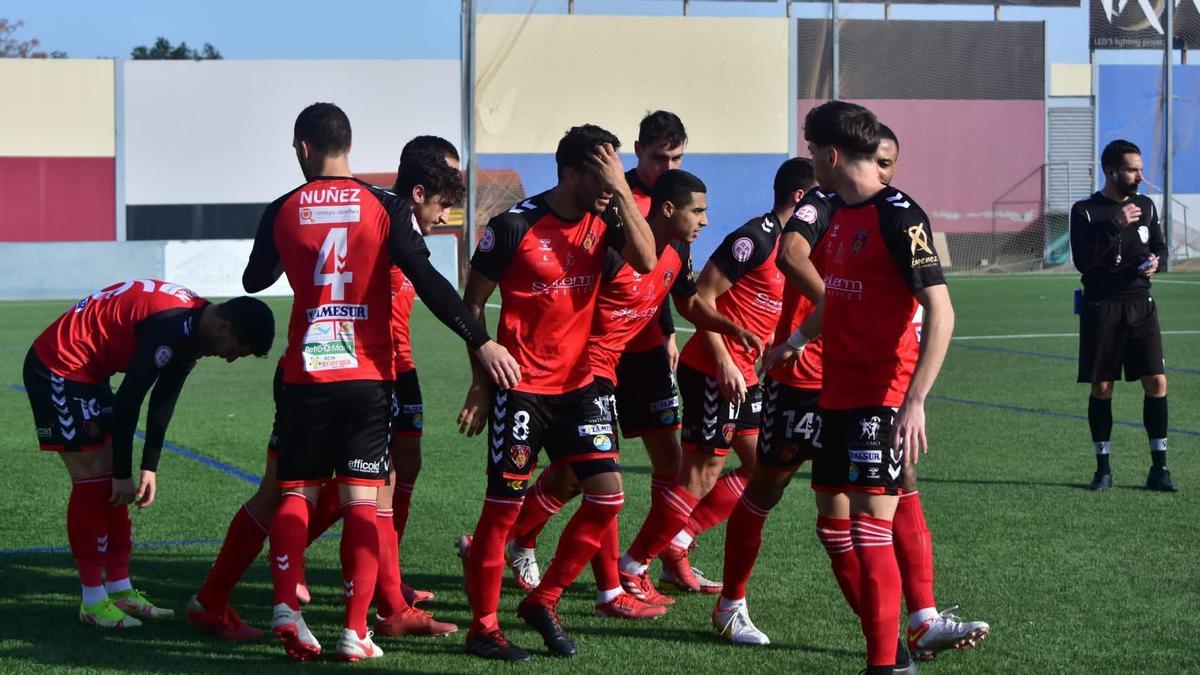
578 543
539 507
401 500
880 589
663 523
360 561
243 542
834 534
743 539
87 526
389 598
658 483
604 563
716 507
914 552
120 544
485 563
326 512
289 534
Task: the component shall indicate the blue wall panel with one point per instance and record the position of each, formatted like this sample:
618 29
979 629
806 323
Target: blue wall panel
1130 107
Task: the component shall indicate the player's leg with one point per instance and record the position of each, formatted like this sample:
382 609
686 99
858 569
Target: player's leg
648 408
1101 328
515 428
1154 417
408 424
1144 361
553 488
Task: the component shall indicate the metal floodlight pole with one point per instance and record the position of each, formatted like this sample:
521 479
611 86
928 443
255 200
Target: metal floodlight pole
837 56
1168 122
467 50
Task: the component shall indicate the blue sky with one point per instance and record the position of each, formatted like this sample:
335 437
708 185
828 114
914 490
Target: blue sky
291 29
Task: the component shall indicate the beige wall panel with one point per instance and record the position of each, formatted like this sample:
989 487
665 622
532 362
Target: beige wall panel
1070 79
538 75
56 108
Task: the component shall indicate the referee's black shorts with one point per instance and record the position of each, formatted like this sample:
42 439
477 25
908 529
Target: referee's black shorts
1119 333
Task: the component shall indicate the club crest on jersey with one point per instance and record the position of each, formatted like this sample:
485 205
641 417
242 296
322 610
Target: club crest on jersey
869 427
807 214
727 431
669 277
589 240
520 455
743 248
859 242
488 240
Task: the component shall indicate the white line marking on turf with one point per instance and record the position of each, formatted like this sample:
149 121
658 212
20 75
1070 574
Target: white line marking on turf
1176 281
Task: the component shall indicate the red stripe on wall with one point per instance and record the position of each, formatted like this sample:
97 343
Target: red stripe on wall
57 199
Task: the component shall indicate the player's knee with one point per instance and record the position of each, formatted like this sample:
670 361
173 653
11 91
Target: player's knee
263 504
1155 385
564 485
833 504
1102 390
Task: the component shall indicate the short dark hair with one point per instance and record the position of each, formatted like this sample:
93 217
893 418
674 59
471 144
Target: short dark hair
324 127
661 125
675 186
252 322
848 127
435 145
886 133
1114 153
430 170
579 142
794 174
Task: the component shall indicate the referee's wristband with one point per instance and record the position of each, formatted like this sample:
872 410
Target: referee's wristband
797 340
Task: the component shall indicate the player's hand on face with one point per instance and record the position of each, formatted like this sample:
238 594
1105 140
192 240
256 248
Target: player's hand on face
499 364
731 382
672 352
123 491
147 489
908 433
1129 214
474 414
782 354
605 161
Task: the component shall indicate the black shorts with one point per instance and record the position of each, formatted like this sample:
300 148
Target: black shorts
69 416
335 428
1116 333
576 428
408 412
709 421
646 396
862 436
791 428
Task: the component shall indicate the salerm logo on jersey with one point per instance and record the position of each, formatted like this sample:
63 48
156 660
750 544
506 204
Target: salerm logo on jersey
329 345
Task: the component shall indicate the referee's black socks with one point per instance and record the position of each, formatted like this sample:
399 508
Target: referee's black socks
1154 417
1100 421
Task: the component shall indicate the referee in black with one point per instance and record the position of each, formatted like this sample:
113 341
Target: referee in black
1117 245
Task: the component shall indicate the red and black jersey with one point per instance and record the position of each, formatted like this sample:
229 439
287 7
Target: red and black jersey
629 302
747 258
876 255
641 193
811 221
336 239
651 335
549 270
403 294
142 328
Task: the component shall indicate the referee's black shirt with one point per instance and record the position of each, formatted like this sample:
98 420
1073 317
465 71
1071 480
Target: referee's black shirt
1108 255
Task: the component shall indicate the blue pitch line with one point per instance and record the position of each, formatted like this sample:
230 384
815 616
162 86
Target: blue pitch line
1056 357
188 454
1047 413
166 543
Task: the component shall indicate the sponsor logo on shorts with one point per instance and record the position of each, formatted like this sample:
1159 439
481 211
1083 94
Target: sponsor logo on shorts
756 407
602 443
90 408
667 417
320 215
520 455
665 404
354 312
866 456
517 485
594 429
873 472
418 421
363 466
44 432
869 428
162 356
743 248
853 475
728 431
412 408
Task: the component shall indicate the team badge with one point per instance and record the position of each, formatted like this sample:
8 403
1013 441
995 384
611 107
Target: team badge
488 241
602 442
668 277
418 421
807 214
859 242
520 455
667 417
1144 233
162 356
588 241
728 430
742 249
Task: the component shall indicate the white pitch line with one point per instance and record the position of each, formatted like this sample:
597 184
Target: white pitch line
1176 281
